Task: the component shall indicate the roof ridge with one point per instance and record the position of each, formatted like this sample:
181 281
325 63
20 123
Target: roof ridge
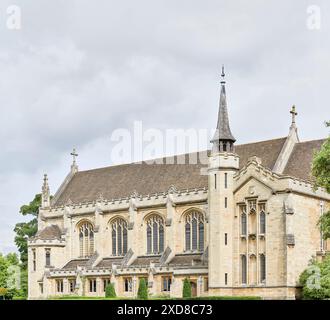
314 140
89 185
261 141
173 156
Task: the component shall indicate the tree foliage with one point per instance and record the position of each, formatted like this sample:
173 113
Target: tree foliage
3 271
25 230
33 207
6 262
186 291
143 290
321 172
316 280
24 283
324 224
110 291
321 165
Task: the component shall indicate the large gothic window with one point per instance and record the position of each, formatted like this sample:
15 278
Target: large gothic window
155 234
262 218
243 269
119 237
86 239
243 224
262 268
194 231
252 216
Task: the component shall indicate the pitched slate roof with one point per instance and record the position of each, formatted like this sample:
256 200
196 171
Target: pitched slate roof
300 161
146 260
107 262
268 151
49 233
187 260
123 180
73 264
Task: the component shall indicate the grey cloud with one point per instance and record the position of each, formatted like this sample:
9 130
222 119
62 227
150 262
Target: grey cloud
80 69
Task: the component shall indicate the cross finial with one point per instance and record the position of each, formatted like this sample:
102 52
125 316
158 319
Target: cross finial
293 114
223 74
45 186
74 155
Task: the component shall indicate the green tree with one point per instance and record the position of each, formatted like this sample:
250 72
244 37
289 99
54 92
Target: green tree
3 271
321 172
12 259
186 291
315 280
28 229
143 290
110 291
6 262
24 231
24 283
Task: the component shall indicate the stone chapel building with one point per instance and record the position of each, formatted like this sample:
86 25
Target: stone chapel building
248 227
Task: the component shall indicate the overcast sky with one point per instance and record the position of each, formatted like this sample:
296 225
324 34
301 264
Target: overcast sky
79 69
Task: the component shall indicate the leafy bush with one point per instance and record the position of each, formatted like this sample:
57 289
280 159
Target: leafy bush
110 291
11 293
143 290
315 280
186 292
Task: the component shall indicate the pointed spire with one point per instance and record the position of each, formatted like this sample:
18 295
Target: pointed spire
45 195
223 139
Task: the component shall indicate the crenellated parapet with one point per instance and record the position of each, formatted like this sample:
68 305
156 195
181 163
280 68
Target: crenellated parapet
47 243
128 204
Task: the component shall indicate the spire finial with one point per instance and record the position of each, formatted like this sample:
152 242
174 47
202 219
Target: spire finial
45 195
293 114
223 75
74 155
74 167
45 184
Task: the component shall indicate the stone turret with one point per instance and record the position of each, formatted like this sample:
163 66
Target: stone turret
223 164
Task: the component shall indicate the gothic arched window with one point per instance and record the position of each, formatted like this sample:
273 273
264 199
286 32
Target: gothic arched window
86 239
194 231
243 269
243 224
155 234
262 218
118 229
262 268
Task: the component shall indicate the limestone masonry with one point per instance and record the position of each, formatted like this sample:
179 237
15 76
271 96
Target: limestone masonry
246 227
